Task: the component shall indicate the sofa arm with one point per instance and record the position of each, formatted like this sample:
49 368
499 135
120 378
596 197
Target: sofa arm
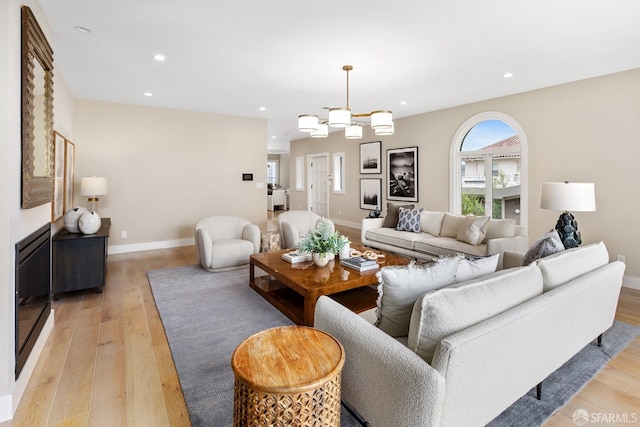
204 247
500 245
381 377
288 234
368 224
251 232
511 259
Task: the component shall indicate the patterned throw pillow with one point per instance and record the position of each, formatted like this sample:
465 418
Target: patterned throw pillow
409 220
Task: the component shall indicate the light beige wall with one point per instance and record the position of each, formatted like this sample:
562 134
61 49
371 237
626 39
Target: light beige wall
584 131
168 168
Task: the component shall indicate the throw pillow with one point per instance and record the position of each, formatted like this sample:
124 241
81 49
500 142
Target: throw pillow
499 228
400 286
450 225
431 222
564 266
472 229
474 267
547 245
391 218
441 313
409 220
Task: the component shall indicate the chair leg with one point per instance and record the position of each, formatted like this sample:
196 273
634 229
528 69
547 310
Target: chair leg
539 391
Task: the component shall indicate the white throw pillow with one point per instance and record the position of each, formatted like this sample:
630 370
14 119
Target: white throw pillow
450 225
400 286
499 228
431 222
472 268
561 267
472 229
443 312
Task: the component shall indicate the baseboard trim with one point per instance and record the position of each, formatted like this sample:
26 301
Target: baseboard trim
9 404
164 244
631 282
356 225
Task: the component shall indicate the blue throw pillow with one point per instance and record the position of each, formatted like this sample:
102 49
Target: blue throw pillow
409 220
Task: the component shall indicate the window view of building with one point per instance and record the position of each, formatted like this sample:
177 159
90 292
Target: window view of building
489 158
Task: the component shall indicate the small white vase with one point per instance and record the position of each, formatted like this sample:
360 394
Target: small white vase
72 218
320 259
89 222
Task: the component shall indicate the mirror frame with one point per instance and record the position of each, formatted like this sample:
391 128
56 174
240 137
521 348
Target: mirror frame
36 190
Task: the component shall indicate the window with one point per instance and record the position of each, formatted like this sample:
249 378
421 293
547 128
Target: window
272 172
338 173
488 155
299 173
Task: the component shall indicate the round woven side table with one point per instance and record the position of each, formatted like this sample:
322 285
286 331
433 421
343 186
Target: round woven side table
287 376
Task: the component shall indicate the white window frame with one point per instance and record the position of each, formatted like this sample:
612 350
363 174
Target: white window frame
299 173
456 156
338 173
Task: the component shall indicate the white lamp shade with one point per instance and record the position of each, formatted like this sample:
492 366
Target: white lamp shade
339 117
93 186
568 196
385 131
321 132
307 122
353 132
381 119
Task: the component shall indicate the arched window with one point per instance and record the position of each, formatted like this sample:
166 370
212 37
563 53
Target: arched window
489 168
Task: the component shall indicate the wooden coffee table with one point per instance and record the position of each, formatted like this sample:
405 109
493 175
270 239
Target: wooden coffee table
294 288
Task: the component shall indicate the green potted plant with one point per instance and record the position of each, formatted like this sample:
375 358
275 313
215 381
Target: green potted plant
323 243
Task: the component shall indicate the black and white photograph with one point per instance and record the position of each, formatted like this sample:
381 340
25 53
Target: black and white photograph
370 157
402 174
370 193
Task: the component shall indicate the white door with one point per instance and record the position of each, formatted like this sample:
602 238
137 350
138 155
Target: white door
319 183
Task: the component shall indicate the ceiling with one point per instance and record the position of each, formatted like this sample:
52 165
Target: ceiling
235 56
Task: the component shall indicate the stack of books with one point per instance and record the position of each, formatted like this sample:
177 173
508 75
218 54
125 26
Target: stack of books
295 256
359 263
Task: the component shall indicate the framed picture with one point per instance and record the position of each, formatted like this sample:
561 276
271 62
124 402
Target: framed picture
370 193
57 203
370 157
402 174
69 171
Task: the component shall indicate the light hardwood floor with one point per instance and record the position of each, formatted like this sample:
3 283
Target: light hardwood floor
107 361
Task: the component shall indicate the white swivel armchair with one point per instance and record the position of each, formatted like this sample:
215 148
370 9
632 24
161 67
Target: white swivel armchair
226 242
293 225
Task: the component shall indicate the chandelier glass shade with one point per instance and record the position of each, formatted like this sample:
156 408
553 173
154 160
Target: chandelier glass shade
340 117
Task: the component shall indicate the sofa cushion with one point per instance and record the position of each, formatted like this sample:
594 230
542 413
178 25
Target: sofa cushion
391 236
409 220
500 228
393 212
442 312
546 245
564 266
400 286
450 225
472 229
431 222
447 246
474 267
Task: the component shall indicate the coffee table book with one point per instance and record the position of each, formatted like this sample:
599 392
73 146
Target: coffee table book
294 257
359 263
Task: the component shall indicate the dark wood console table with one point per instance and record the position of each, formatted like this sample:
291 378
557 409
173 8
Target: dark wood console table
80 260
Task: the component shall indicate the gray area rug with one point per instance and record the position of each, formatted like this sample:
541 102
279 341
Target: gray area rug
206 315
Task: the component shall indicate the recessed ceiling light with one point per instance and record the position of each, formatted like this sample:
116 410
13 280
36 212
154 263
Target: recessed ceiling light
82 29
508 75
403 102
273 137
159 57
263 108
148 94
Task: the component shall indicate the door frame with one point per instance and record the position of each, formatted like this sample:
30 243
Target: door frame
310 158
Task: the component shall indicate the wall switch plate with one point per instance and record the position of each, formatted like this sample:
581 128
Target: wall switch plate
621 258
123 234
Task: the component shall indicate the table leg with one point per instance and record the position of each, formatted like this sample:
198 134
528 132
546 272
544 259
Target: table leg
309 309
252 273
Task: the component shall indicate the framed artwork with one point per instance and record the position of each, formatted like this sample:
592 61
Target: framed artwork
370 157
57 203
402 174
69 171
370 193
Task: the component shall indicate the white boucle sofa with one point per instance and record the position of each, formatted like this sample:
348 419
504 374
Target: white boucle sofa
441 234
480 370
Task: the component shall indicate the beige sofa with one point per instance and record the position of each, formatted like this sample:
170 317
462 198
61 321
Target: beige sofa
442 233
479 366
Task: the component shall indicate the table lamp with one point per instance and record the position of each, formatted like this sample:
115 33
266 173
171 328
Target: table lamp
92 188
568 196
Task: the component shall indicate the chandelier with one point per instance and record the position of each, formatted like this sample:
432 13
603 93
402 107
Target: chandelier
340 117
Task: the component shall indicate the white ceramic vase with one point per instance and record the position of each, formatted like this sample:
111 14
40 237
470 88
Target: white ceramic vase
90 222
72 218
321 259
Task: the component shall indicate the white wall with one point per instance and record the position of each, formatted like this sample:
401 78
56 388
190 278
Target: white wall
585 131
168 168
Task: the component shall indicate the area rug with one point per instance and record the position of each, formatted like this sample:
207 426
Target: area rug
206 315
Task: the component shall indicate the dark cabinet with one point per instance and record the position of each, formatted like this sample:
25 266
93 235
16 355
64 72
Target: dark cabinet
80 260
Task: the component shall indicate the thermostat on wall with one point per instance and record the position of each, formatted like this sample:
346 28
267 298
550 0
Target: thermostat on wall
247 177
